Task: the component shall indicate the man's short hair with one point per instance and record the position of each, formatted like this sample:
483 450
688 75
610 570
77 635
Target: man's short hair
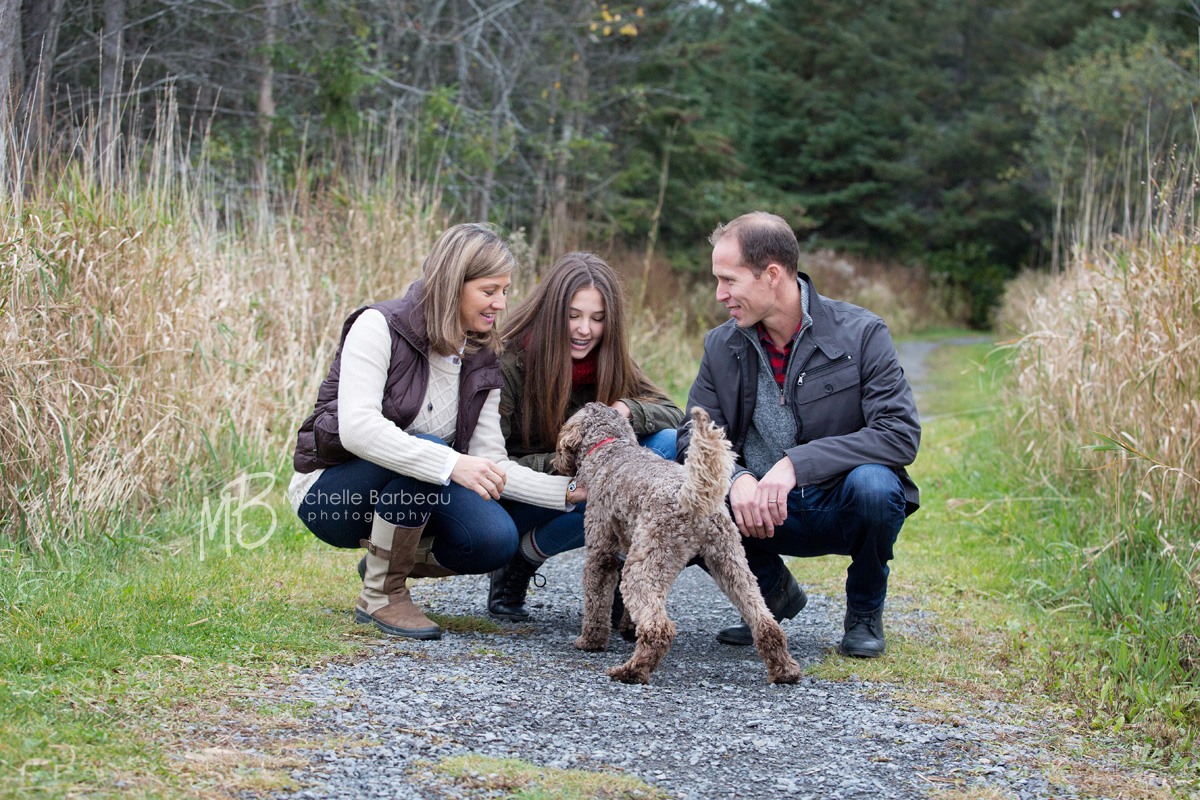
763 239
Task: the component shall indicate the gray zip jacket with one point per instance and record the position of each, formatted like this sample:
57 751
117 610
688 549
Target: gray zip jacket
846 390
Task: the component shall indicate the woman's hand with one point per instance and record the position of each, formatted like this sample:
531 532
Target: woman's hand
622 409
479 475
577 495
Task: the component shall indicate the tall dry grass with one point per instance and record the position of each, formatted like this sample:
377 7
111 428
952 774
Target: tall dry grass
150 341
1108 360
678 308
908 299
161 330
1104 421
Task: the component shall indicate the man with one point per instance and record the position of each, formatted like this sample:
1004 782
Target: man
812 396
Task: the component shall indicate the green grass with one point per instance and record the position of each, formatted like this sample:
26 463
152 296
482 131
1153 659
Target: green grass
122 666
519 779
107 651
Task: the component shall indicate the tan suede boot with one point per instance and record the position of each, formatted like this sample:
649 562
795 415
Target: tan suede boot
426 565
385 600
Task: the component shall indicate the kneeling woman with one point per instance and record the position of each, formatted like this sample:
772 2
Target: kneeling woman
405 438
566 346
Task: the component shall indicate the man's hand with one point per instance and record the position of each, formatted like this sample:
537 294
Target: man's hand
749 520
479 475
772 494
759 506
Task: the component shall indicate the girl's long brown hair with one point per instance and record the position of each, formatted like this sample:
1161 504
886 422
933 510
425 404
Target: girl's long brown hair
538 328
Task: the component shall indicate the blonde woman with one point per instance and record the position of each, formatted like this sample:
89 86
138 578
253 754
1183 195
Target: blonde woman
403 453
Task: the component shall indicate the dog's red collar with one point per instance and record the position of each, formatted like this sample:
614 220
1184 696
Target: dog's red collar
600 444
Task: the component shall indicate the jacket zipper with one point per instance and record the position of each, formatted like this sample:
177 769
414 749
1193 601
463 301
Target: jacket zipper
837 362
805 325
783 388
741 392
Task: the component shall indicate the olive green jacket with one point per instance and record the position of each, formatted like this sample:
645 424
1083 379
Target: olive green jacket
650 415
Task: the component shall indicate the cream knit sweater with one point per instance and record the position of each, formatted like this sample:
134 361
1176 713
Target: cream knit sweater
368 434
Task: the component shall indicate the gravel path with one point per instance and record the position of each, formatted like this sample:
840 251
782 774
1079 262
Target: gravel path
709 725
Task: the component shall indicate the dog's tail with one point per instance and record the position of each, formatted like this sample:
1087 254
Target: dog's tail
709 464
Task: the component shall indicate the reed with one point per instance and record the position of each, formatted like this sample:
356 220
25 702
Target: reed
908 298
162 331
163 327
1108 364
153 340
1103 414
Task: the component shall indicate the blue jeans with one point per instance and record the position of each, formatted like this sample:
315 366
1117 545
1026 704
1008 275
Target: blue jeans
472 535
560 531
860 517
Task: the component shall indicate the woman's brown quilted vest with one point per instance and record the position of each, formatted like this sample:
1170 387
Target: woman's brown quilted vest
318 445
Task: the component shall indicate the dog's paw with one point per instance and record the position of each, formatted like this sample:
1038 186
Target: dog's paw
624 674
788 672
590 644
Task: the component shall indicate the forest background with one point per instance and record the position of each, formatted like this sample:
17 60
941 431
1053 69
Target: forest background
946 135
194 193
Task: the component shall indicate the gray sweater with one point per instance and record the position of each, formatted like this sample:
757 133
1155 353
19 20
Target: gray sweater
773 430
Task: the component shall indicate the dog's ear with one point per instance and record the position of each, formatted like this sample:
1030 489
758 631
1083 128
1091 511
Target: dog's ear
569 440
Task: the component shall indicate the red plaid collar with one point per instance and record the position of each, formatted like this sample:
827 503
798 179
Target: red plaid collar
777 357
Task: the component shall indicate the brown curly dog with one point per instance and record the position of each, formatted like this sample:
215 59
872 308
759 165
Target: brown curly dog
661 514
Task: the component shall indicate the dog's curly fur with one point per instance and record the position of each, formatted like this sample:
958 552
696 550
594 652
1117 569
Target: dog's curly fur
662 515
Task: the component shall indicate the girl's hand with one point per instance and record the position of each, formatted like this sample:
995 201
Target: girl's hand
622 409
479 475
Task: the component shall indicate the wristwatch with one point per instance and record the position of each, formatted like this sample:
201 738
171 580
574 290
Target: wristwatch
570 488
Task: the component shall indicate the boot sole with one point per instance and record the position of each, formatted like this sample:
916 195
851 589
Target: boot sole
363 618
745 638
508 617
734 639
861 653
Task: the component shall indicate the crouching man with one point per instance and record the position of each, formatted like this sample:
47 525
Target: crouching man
812 396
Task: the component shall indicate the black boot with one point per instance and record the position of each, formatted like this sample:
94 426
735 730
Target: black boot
618 610
507 588
788 601
864 634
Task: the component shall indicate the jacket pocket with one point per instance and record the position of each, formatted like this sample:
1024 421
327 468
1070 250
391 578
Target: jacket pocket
329 442
828 399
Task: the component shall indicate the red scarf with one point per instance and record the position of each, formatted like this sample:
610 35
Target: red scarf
583 370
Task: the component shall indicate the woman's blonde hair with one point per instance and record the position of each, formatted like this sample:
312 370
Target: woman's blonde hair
463 253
